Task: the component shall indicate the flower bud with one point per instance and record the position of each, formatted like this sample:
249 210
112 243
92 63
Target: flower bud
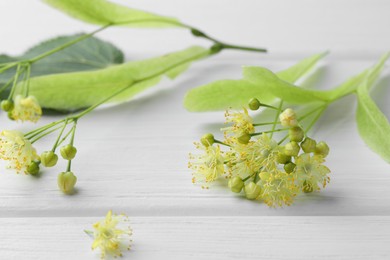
264 176
33 168
289 167
216 48
10 115
308 145
282 158
7 105
207 140
66 182
292 149
68 152
288 118
252 191
49 159
244 138
236 184
296 134
254 104
322 149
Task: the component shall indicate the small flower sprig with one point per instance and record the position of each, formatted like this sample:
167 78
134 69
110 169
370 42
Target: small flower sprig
111 235
259 166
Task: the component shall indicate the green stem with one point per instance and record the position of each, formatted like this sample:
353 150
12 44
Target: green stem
45 134
220 142
16 77
43 128
315 119
66 136
270 131
64 46
69 165
262 124
59 136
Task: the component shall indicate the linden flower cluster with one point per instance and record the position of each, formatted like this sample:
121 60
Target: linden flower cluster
111 235
23 108
256 164
17 148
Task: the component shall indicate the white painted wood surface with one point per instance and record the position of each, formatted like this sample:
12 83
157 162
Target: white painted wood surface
132 158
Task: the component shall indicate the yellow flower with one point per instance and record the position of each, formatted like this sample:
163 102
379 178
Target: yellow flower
250 158
112 235
26 109
207 167
16 149
309 172
242 123
278 189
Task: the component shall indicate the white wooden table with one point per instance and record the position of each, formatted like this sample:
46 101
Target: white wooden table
132 158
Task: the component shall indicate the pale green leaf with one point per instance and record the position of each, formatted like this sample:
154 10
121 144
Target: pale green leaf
369 76
297 71
223 94
102 12
71 91
267 81
373 125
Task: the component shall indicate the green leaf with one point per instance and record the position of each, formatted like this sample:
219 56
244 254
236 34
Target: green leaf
236 93
72 91
373 126
297 71
266 80
102 12
223 94
89 54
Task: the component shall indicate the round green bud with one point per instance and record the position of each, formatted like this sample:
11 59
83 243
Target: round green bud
307 188
292 149
322 149
296 134
68 152
254 104
49 159
236 184
66 182
244 138
282 158
308 145
252 191
264 176
197 33
33 168
216 48
7 105
10 116
207 140
289 167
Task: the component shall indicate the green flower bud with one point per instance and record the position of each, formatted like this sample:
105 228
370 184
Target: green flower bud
289 167
307 188
282 158
296 134
254 104
10 116
236 184
68 152
33 168
322 149
292 149
207 140
66 182
252 191
244 138
216 48
308 145
49 159
7 105
264 176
